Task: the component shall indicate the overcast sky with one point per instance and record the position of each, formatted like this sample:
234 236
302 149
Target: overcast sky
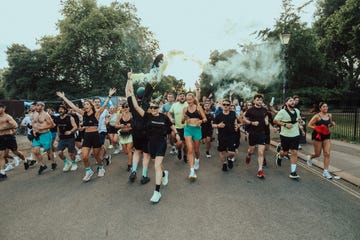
194 26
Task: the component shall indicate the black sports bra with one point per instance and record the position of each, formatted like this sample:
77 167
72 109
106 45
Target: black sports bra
90 121
194 114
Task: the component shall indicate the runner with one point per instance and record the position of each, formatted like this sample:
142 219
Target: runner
225 122
206 128
320 123
112 129
66 127
157 128
42 123
123 122
288 118
257 120
91 135
7 139
26 122
193 115
165 109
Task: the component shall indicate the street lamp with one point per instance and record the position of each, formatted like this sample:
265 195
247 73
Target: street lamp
284 39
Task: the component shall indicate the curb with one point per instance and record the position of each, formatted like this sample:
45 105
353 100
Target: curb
335 171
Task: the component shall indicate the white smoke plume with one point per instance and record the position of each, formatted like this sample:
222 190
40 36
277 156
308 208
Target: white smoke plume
257 64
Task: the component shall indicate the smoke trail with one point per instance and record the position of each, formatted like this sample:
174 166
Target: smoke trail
240 73
155 74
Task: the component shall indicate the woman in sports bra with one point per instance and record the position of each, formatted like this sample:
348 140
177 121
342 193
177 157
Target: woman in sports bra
123 122
320 123
193 116
91 135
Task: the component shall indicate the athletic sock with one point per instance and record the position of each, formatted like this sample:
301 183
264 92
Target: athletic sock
134 167
88 169
293 167
157 188
66 161
144 172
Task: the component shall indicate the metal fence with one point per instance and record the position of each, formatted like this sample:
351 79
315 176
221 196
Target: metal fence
347 121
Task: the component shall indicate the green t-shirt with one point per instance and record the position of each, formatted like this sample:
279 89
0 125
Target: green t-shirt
177 109
283 116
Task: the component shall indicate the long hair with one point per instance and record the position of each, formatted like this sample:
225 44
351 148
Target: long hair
91 104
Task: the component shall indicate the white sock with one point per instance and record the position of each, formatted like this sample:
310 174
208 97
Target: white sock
2 171
293 167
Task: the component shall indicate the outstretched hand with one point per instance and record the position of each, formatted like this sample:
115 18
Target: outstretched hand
60 94
197 85
112 91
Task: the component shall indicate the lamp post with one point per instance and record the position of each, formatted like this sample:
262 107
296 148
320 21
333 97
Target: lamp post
284 39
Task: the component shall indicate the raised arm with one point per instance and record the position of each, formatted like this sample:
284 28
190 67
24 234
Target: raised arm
129 91
68 102
100 111
197 85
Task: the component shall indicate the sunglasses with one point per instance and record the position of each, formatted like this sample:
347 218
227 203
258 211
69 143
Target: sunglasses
154 107
226 104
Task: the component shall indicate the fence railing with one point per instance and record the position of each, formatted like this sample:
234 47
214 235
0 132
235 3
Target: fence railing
347 121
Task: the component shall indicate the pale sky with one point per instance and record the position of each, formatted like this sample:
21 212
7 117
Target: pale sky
194 26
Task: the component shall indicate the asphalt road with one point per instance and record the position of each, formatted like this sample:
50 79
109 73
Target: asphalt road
219 205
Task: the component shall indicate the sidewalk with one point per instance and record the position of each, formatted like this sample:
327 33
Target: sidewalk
344 158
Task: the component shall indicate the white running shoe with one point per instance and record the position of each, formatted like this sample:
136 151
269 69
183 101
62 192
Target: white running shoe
308 160
77 158
16 161
101 172
192 176
155 197
197 164
88 175
74 167
165 179
117 151
8 167
327 175
67 167
110 146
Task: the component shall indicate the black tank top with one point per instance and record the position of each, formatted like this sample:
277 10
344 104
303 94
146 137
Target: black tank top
323 122
90 121
64 125
194 114
122 121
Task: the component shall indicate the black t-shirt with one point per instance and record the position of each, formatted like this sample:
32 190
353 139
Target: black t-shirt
157 127
64 125
54 118
229 120
206 126
255 114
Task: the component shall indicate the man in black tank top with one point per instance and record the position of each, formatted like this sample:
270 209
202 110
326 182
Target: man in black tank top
66 127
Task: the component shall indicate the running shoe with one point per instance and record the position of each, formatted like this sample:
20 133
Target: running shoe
41 169
9 167
107 160
26 165
77 158
294 175
117 151
53 166
208 155
155 197
260 174
32 163
129 168
230 163
67 167
74 167
224 167
165 178
192 176
278 160
132 176
16 161
2 177
88 175
197 164
110 146
144 180
327 175
308 160
101 172
278 147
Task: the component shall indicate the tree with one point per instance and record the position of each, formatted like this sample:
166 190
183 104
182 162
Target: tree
94 50
338 27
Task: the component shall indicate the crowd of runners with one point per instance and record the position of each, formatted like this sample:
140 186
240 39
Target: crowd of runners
142 128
